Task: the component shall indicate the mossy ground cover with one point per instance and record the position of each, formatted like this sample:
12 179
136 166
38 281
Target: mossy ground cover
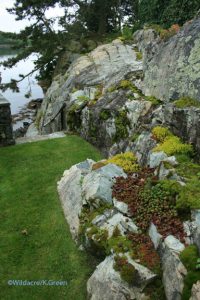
189 258
186 102
35 240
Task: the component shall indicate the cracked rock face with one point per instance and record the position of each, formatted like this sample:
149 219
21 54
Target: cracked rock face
183 122
124 224
173 69
97 186
69 189
106 65
80 185
196 291
106 283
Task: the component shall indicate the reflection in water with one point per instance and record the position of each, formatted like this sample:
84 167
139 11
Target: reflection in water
18 100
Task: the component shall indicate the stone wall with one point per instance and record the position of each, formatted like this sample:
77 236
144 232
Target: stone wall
6 132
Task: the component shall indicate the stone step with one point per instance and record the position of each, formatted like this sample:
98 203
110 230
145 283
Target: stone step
38 137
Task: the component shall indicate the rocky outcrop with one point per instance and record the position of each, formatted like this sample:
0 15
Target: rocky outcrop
173 274
104 226
104 66
97 185
171 67
100 98
81 186
70 192
183 122
173 269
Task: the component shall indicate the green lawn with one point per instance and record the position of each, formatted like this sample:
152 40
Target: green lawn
29 203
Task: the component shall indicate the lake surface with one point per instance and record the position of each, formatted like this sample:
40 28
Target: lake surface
18 100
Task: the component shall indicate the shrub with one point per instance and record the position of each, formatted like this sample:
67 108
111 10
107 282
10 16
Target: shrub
172 145
186 102
165 34
160 133
127 161
155 27
127 33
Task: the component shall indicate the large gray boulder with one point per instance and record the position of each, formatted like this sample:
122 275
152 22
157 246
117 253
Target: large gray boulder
173 269
105 66
173 69
183 122
70 192
106 283
97 185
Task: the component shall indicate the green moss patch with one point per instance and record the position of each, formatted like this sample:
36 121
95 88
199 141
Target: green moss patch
119 244
121 124
155 101
185 102
189 196
105 114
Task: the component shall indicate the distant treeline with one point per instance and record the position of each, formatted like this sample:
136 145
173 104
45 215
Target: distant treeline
9 40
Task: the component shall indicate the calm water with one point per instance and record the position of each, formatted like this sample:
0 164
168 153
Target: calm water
18 100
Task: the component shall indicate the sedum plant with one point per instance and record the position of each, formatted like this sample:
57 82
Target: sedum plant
127 161
169 143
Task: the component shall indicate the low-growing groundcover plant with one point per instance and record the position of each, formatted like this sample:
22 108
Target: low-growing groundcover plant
169 143
36 243
186 102
151 200
190 258
127 270
127 161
